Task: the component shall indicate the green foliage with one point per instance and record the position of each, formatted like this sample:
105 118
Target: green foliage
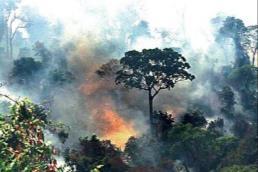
246 153
25 69
60 77
162 123
244 77
153 68
195 147
244 80
227 99
43 52
143 151
233 27
96 155
109 69
195 118
22 140
240 168
199 148
216 126
250 42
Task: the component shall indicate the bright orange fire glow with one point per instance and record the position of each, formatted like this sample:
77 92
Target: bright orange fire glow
113 127
105 120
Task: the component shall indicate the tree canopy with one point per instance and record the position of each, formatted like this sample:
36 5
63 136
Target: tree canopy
153 69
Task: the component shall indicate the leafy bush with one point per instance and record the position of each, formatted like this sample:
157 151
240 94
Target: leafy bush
22 145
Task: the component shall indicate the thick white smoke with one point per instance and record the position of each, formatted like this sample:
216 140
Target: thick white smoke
181 18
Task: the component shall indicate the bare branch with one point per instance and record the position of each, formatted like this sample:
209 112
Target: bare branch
16 30
8 16
9 98
157 91
13 19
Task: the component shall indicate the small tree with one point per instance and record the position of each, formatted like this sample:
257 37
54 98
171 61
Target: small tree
22 143
153 70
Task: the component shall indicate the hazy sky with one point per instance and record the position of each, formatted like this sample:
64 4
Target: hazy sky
192 16
151 9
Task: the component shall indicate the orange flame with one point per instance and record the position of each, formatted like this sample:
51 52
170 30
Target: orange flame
107 122
113 127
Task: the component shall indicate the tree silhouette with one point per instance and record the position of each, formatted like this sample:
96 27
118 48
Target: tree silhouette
13 22
235 29
250 42
153 70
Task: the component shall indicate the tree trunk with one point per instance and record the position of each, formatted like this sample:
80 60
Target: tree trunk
11 49
151 110
11 43
253 60
7 41
241 56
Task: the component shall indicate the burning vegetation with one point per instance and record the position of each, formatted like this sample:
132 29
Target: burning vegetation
112 126
105 103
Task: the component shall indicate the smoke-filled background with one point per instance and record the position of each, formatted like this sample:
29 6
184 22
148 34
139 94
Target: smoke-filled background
74 38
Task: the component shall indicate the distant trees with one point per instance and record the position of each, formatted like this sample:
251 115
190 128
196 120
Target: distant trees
240 168
194 147
53 70
153 70
200 149
244 80
246 152
227 99
13 22
234 28
244 38
25 69
195 118
60 77
250 41
41 51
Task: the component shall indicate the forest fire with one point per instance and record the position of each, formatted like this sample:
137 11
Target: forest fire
113 127
136 86
106 120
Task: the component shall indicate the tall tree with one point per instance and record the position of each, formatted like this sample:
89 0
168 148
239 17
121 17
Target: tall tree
13 22
234 28
250 41
153 70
